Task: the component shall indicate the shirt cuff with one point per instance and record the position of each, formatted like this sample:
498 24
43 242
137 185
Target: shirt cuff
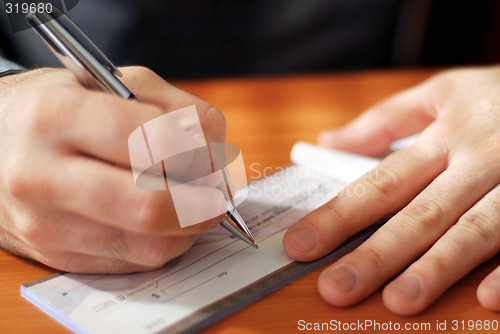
8 67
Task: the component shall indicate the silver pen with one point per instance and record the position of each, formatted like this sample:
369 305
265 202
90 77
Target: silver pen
94 70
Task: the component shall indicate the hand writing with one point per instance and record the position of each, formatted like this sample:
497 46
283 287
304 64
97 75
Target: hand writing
67 194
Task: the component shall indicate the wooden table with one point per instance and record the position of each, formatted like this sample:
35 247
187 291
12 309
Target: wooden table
265 117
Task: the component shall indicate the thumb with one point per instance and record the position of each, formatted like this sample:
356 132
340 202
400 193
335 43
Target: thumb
371 133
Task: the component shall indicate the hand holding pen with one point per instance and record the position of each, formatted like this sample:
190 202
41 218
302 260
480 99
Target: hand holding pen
69 199
92 68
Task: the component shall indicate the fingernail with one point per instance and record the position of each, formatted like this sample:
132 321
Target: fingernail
343 277
303 239
408 286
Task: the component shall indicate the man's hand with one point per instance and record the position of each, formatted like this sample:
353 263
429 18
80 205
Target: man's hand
445 189
67 194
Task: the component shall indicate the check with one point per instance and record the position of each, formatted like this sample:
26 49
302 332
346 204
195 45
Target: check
220 274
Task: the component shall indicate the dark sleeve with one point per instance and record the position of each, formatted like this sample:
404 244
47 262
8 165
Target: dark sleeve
9 67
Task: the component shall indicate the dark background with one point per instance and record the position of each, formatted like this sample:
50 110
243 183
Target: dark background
204 38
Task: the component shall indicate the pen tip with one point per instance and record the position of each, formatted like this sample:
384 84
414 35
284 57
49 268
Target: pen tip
254 245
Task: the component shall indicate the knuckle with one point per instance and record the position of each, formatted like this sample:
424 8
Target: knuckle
429 151
332 211
34 116
16 181
423 214
24 184
435 263
383 180
373 255
332 219
483 227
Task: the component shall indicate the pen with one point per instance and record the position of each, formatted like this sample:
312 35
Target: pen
94 70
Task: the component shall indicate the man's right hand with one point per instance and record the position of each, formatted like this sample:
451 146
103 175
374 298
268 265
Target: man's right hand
67 195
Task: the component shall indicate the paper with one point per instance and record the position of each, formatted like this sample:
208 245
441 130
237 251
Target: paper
220 274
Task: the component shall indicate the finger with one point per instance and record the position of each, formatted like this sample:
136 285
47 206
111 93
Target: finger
152 89
408 235
380 192
95 123
406 113
474 239
105 131
90 264
99 124
488 292
57 235
108 194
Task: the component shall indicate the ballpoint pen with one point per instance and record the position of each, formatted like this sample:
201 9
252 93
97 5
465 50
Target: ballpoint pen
93 69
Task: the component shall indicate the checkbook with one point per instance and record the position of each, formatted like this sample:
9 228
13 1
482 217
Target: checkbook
220 274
